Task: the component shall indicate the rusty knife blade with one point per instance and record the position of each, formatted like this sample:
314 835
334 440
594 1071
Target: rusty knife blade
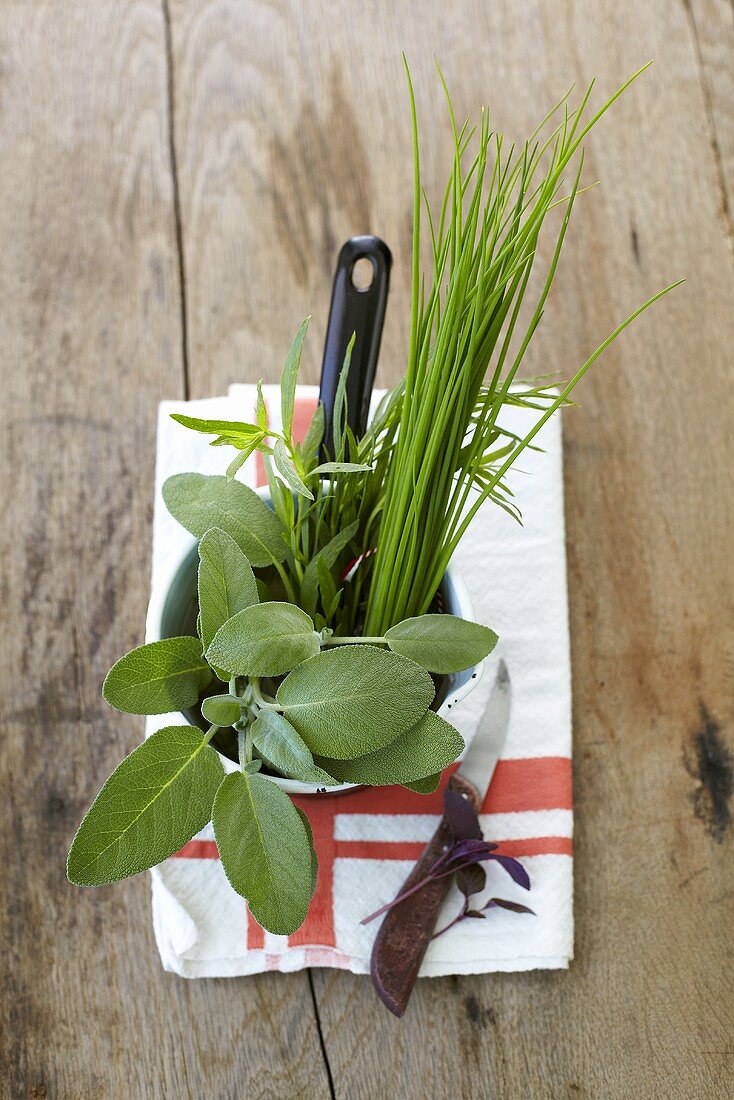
407 928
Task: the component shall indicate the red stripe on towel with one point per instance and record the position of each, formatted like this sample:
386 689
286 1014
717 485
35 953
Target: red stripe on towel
534 783
198 849
319 924
402 849
409 850
304 409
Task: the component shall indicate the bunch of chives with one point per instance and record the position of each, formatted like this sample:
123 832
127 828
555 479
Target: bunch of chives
451 453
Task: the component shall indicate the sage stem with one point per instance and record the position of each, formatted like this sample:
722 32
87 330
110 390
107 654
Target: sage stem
259 698
210 733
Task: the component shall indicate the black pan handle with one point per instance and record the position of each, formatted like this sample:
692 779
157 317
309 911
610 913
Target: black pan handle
360 311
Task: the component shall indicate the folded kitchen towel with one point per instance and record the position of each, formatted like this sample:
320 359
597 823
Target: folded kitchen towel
368 840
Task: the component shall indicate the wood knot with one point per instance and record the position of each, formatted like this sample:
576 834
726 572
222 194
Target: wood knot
709 760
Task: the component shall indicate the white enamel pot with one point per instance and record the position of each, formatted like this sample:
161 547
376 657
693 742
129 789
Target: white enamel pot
173 610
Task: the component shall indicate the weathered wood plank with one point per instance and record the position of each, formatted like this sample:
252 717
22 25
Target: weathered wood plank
91 340
711 24
294 135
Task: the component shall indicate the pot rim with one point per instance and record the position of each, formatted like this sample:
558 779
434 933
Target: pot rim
170 568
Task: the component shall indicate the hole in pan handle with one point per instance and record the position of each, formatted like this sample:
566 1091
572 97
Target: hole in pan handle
358 308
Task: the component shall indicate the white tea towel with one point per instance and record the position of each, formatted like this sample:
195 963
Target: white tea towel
368 840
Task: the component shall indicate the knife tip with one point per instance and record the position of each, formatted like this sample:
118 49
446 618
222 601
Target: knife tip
390 1002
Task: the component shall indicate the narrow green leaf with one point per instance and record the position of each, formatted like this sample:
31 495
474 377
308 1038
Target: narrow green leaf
340 411
222 710
242 456
327 586
261 412
153 803
234 429
281 497
277 742
200 502
289 377
341 468
328 554
333 606
314 436
159 677
287 468
266 639
426 748
441 643
238 461
226 582
265 850
349 701
386 408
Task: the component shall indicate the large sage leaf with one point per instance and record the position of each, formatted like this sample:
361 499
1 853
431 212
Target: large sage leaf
151 805
266 639
424 786
156 678
426 748
278 742
265 850
441 643
200 502
226 582
314 857
349 701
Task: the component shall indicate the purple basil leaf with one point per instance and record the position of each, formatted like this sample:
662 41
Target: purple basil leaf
472 850
471 879
515 870
514 906
461 816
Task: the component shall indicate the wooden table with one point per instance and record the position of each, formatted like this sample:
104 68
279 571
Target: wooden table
177 178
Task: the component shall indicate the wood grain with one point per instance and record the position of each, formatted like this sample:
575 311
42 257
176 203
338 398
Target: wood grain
275 172
91 340
711 25
290 133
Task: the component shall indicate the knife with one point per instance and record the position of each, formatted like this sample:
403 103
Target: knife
407 929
